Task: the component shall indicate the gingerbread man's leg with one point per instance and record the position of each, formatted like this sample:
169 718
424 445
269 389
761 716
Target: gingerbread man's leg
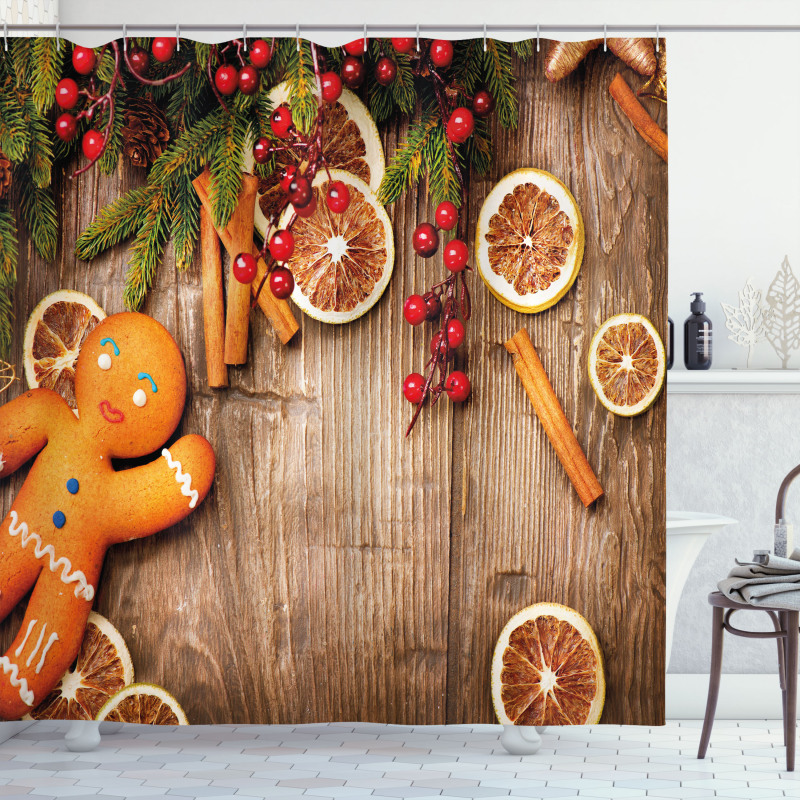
45 646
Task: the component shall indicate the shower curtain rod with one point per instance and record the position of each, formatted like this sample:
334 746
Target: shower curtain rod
414 30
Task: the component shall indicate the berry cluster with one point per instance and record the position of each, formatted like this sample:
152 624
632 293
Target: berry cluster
296 183
98 109
440 303
238 67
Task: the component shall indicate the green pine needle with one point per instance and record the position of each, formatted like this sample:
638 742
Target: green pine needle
40 155
114 223
467 68
108 161
500 81
185 220
46 57
15 136
38 208
147 248
523 49
302 85
8 276
226 168
443 180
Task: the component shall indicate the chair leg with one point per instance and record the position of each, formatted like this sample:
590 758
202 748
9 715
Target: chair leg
717 632
781 642
790 717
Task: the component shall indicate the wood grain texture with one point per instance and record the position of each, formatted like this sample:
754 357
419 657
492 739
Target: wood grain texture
338 571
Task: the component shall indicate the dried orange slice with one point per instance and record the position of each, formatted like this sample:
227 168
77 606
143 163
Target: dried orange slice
102 668
627 364
53 337
350 142
529 240
547 669
342 262
144 704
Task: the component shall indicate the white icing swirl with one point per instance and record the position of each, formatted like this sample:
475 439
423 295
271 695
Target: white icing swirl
183 478
50 642
16 528
11 669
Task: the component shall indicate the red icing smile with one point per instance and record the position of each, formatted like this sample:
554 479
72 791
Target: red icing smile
110 414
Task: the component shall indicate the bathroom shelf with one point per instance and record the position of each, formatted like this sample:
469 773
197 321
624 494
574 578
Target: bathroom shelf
734 381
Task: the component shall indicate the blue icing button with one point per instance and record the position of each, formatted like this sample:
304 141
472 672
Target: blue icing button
59 520
73 486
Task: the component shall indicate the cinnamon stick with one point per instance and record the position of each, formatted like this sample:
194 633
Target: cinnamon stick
637 114
213 302
551 415
278 312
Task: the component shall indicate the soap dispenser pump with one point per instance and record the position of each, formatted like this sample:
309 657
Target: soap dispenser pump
697 336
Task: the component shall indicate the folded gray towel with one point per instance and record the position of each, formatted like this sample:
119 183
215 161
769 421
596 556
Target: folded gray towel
775 583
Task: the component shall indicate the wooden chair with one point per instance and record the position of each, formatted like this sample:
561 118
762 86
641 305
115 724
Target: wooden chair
785 624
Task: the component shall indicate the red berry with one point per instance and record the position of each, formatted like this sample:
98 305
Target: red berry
358 47
385 71
425 240
261 150
300 193
441 52
439 345
92 144
248 80
244 268
163 48
414 388
281 282
260 53
352 72
226 79
460 125
446 215
455 255
457 386
483 103
139 61
433 305
83 59
281 121
307 211
287 174
66 127
331 87
414 310
281 245
403 45
455 332
338 198
66 93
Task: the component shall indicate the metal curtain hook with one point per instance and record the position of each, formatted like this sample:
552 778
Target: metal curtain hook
484 37
124 38
244 36
605 37
537 37
365 37
417 37
657 37
5 35
297 36
58 36
178 36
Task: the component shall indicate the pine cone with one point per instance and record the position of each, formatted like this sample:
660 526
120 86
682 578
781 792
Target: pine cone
5 175
145 134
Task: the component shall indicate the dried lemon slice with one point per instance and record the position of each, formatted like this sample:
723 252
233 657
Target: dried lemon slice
341 263
143 704
529 240
547 669
627 364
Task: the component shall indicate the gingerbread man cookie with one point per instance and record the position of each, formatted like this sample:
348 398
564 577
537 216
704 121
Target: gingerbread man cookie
130 387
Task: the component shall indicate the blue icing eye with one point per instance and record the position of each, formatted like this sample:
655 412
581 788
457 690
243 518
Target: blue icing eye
73 486
146 376
109 340
59 520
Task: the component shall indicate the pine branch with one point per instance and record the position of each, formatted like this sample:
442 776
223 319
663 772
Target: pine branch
302 85
524 48
38 209
8 276
443 181
46 67
404 93
108 161
500 81
148 247
467 64
40 154
14 134
114 223
189 99
20 51
185 220
478 148
226 168
404 169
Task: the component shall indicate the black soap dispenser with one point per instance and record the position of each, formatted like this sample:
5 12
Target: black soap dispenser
697 336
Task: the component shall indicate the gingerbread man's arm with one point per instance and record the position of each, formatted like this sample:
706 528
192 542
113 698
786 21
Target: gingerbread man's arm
163 492
26 423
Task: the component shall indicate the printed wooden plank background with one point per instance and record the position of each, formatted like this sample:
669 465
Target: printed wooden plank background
340 572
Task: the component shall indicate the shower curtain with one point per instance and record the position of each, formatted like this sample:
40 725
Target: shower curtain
331 380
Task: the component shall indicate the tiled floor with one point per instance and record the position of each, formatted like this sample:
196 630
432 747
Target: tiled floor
745 760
